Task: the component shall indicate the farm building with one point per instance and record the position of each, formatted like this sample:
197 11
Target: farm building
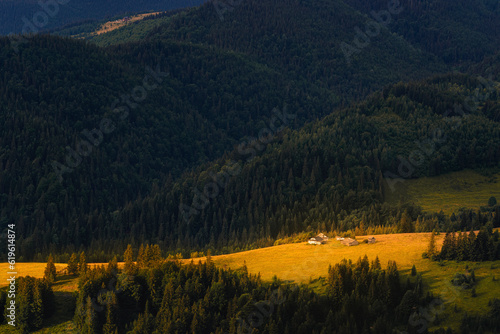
350 242
316 240
324 237
371 240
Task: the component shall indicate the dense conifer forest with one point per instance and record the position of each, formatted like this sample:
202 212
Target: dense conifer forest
85 160
238 125
201 298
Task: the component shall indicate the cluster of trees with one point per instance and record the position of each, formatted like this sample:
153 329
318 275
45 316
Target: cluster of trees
369 297
34 302
201 298
469 247
77 264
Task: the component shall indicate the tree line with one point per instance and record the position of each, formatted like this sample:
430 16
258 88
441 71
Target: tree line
168 297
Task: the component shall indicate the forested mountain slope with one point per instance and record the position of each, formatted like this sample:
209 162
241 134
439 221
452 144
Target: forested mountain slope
305 38
54 102
219 82
332 174
458 31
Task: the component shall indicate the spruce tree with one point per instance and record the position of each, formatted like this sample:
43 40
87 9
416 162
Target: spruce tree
130 268
50 270
431 250
37 310
90 324
113 266
82 264
73 264
154 255
110 327
141 257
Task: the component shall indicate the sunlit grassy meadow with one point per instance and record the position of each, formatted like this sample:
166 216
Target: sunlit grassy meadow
449 192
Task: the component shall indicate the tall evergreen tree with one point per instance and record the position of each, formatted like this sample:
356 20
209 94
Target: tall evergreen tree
72 267
82 263
431 249
50 270
130 268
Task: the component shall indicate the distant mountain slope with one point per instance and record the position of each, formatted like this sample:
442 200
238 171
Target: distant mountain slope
458 31
116 31
43 15
305 38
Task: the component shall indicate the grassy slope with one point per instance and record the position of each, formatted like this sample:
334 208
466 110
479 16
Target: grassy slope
305 263
449 192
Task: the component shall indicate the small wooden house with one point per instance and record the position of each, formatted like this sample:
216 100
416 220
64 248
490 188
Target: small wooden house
316 241
350 242
324 237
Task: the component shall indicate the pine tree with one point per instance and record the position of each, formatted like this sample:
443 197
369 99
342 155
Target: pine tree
431 250
90 324
130 268
470 245
376 264
393 282
24 309
73 264
37 310
113 266
50 270
82 264
141 257
154 255
79 317
110 327
413 271
462 246
144 323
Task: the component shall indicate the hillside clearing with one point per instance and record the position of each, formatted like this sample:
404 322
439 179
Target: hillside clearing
448 192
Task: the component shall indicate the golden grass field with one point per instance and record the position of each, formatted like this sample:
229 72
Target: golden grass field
300 261
303 263
448 192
